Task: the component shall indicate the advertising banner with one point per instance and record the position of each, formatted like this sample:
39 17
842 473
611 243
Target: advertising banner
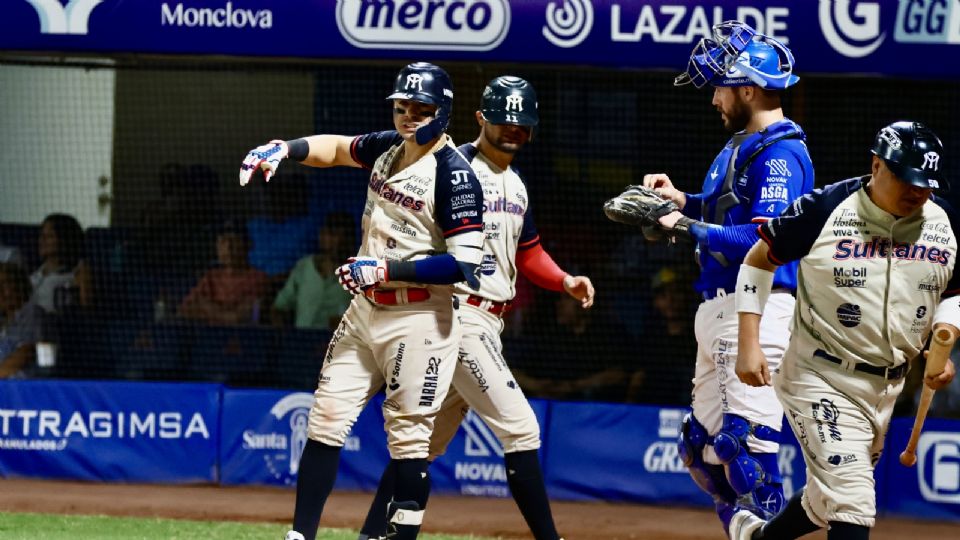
109 431
629 453
931 488
264 432
842 36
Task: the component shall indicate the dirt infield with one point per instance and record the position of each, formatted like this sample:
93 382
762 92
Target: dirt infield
479 516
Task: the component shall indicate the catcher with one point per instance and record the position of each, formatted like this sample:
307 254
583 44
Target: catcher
730 441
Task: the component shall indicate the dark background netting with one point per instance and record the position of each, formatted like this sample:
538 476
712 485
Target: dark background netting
181 128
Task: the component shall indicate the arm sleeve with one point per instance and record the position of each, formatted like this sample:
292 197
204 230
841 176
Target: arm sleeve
537 265
693 209
734 241
529 237
438 269
365 149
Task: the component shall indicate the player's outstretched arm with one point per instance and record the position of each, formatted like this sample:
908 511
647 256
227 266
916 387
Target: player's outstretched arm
315 151
754 283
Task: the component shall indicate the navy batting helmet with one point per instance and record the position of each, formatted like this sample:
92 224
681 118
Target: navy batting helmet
426 83
510 100
912 151
739 56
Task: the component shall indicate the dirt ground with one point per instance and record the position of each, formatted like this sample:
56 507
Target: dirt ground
470 515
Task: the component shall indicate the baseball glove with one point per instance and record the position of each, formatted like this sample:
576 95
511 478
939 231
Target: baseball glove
639 206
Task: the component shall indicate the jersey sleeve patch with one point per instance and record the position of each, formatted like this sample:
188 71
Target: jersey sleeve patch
782 174
459 197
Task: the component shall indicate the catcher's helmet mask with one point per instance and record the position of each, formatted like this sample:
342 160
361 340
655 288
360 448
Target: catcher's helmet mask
738 55
430 84
913 153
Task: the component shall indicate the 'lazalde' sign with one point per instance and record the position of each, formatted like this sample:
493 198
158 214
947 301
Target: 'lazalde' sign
830 36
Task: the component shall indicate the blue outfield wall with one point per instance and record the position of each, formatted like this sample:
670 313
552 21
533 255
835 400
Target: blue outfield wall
207 433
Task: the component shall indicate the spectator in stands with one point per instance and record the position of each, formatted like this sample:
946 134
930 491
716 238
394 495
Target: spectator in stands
577 354
63 279
232 292
666 344
179 225
20 321
284 231
312 293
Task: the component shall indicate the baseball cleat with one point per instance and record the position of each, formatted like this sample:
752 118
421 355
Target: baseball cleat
743 524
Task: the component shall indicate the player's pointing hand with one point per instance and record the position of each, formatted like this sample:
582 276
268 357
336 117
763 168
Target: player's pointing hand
266 157
581 288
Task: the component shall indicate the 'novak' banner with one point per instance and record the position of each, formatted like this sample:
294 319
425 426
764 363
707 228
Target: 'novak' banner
114 431
828 36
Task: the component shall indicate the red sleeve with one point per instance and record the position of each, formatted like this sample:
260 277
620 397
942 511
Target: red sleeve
537 265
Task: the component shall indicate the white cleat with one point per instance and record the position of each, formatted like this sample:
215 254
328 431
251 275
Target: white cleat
293 535
743 524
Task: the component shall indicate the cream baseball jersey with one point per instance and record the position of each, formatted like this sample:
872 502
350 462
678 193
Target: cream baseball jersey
433 206
507 226
868 282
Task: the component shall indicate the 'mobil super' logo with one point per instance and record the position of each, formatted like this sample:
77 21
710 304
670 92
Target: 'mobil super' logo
464 25
938 466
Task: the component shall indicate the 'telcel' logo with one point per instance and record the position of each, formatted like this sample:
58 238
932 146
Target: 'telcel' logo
938 466
848 37
465 25
55 18
570 24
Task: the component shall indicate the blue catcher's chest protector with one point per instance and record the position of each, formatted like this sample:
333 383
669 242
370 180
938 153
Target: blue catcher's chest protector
729 191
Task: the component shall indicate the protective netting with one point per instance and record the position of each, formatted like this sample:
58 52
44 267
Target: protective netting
144 153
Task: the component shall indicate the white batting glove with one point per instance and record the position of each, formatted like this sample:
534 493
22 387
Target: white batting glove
361 273
266 157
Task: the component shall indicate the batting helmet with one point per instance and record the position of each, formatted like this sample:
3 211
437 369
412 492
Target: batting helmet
510 100
912 152
426 83
739 56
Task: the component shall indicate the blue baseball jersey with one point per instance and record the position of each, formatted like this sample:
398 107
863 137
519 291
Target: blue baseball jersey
752 180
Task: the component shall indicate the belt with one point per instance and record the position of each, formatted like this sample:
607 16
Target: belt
497 308
393 297
723 291
890 374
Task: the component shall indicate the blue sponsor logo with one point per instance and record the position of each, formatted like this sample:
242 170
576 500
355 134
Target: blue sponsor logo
938 466
489 265
463 25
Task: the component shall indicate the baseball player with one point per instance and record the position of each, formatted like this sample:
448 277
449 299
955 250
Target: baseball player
730 441
507 119
877 272
422 232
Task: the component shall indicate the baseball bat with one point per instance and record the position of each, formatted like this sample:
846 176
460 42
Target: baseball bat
940 348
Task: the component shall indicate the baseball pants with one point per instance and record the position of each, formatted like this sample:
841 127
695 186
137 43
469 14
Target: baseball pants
840 418
716 388
412 348
483 381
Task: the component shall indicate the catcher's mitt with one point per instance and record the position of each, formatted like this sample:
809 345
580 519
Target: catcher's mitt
639 206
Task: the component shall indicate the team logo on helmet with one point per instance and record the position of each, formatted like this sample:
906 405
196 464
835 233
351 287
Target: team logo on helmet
891 137
515 103
931 160
414 80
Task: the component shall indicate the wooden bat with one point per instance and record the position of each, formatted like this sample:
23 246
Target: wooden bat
940 348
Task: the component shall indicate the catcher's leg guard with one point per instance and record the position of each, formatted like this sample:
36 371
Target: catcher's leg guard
749 473
710 478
